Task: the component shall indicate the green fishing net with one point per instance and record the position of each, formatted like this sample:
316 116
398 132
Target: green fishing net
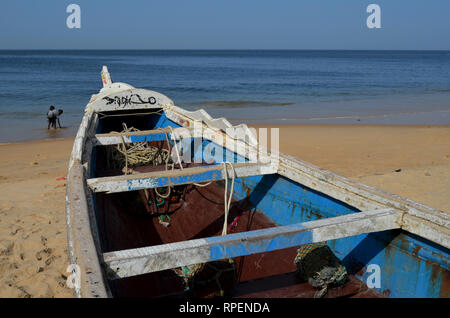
318 265
212 279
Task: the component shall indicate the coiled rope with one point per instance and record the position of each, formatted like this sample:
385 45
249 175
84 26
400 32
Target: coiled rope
317 264
138 153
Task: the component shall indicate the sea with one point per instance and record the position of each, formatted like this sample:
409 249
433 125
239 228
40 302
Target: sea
251 86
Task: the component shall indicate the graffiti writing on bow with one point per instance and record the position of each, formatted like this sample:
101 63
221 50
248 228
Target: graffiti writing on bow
133 99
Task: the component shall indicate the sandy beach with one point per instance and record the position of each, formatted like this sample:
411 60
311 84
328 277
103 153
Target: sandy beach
33 236
411 161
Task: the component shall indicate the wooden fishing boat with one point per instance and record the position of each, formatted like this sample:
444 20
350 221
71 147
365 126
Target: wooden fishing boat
141 219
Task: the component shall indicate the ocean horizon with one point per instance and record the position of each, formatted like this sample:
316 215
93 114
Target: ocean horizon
253 86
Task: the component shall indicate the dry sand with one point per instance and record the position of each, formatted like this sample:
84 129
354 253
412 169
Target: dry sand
33 242
33 236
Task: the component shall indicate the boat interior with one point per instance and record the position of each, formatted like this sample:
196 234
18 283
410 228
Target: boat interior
192 210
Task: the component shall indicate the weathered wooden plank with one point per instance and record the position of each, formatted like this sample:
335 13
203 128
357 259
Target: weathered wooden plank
288 164
418 219
139 261
81 227
115 138
176 177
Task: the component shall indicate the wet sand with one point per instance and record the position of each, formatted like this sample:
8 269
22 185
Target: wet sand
411 161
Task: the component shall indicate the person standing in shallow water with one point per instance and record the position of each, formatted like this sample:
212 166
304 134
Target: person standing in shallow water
52 114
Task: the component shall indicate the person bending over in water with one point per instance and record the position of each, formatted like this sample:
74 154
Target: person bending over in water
52 114
53 117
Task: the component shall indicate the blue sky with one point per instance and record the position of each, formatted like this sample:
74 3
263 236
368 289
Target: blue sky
225 24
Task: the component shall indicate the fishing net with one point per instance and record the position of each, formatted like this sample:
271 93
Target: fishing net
318 265
213 279
126 156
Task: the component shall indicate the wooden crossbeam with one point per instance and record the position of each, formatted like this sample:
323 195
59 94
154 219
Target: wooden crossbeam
115 138
144 260
174 177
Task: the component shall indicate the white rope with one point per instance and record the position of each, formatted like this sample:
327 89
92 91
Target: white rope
166 195
166 164
227 203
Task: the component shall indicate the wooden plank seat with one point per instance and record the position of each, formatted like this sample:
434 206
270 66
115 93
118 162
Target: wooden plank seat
177 177
144 260
114 138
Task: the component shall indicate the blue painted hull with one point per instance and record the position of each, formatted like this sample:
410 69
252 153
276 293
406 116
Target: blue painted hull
409 265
